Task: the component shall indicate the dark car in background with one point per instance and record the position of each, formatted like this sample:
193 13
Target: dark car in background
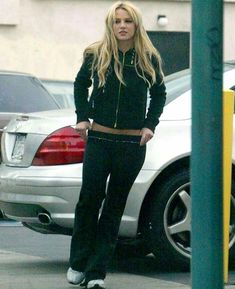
22 93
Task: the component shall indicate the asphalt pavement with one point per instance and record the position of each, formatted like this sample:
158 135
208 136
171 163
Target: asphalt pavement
30 272
29 260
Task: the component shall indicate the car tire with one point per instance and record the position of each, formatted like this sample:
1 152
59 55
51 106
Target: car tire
171 206
164 199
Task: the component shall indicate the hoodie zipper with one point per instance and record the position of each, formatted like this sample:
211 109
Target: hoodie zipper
119 94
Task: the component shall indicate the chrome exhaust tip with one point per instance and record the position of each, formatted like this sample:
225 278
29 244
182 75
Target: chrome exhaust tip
44 218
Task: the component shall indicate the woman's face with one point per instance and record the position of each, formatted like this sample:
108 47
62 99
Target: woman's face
123 26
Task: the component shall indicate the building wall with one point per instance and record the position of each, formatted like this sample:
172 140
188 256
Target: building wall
229 35
47 37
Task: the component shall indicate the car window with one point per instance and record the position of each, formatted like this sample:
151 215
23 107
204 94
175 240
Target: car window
62 91
20 93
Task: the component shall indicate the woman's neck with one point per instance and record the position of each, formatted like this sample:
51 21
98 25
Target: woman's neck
124 47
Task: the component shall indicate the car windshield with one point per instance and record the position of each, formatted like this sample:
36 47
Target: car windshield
180 82
21 93
177 84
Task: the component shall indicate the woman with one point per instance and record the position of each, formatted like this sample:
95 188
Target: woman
122 67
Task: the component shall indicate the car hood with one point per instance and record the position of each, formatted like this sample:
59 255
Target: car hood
179 109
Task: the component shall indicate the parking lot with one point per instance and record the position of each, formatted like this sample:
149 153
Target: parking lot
29 260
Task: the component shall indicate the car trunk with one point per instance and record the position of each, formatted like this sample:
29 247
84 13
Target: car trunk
25 133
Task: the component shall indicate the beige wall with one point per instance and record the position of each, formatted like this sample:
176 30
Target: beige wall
47 37
229 35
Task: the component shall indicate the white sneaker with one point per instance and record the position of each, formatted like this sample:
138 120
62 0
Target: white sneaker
96 284
75 277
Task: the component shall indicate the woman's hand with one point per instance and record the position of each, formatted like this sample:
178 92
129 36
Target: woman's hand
82 128
146 135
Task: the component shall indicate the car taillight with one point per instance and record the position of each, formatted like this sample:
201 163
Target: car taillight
64 146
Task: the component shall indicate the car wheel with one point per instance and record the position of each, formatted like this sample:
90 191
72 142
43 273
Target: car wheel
170 222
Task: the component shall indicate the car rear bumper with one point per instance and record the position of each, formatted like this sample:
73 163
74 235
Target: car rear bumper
25 193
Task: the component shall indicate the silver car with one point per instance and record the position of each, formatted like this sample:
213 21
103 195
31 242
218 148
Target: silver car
41 177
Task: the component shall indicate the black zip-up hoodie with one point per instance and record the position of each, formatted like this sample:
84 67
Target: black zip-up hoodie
116 105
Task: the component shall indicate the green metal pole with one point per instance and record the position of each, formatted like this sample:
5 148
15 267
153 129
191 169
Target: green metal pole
206 160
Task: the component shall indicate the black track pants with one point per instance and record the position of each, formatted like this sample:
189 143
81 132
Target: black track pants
94 238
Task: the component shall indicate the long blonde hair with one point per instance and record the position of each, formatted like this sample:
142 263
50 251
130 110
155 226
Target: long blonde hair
103 50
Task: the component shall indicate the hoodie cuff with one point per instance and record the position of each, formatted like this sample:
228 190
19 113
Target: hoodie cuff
148 124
